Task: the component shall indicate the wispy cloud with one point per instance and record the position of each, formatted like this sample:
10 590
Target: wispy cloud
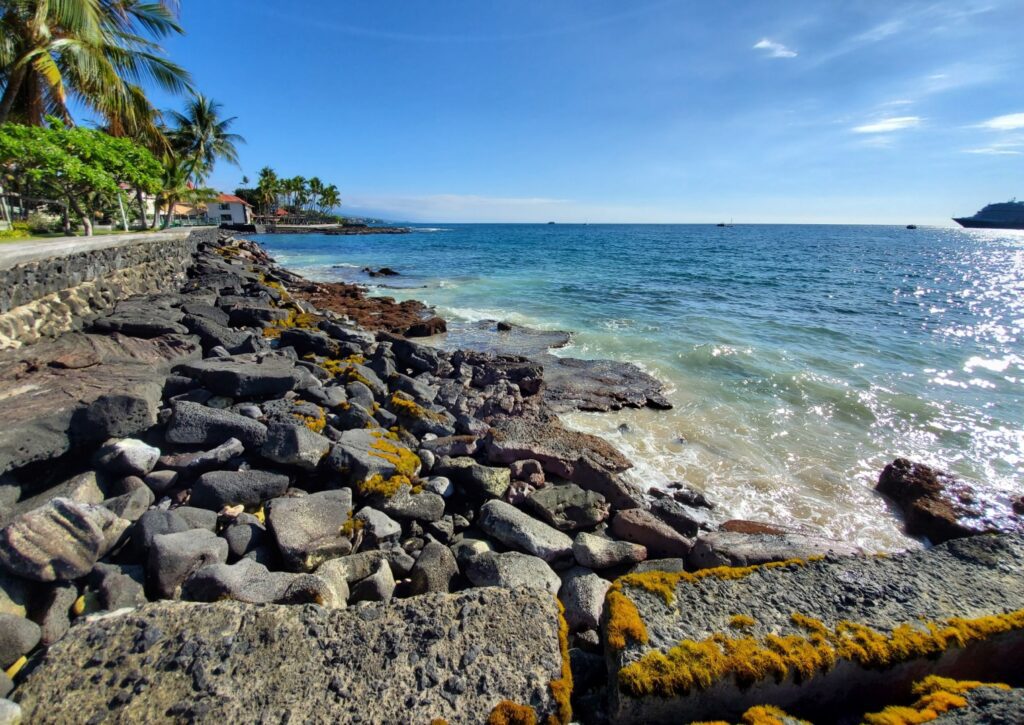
995 151
889 125
1008 122
774 49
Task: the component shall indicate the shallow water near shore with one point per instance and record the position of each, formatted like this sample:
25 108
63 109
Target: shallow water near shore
800 359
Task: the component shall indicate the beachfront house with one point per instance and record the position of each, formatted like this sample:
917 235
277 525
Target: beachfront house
229 209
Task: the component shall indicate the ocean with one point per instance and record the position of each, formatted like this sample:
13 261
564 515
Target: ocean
800 358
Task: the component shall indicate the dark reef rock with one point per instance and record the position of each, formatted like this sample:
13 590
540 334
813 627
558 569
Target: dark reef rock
941 507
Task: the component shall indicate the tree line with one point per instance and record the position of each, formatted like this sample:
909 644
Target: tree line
297 196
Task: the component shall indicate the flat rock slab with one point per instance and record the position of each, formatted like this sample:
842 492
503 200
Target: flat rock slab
434 656
599 385
46 387
853 630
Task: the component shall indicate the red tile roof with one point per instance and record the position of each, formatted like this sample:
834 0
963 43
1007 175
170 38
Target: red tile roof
232 198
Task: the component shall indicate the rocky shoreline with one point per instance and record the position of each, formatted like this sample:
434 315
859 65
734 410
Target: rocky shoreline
256 497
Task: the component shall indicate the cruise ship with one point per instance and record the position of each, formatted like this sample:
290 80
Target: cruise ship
1005 215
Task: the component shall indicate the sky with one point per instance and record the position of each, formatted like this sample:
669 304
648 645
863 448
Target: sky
800 111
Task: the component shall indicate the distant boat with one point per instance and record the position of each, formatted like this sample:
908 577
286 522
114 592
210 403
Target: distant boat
911 226
1005 215
550 222
723 224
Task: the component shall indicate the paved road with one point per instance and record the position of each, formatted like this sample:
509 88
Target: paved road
14 253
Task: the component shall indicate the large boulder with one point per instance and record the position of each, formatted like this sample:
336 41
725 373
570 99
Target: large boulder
79 389
644 528
363 453
308 529
295 445
474 478
173 558
599 552
127 457
568 507
249 581
266 378
434 569
195 424
588 461
813 637
512 570
519 530
216 489
59 541
456 654
940 506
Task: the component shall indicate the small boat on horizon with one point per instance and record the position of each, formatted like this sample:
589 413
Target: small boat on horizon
911 226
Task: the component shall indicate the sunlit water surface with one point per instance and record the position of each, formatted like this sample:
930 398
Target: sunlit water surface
800 359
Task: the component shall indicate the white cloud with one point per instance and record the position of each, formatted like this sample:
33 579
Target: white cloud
775 50
1009 122
994 151
888 125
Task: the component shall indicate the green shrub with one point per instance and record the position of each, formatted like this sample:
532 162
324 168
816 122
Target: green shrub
41 223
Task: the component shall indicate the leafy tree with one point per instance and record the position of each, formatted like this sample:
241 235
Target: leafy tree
201 136
84 167
92 51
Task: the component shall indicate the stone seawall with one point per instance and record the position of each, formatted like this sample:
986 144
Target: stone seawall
48 288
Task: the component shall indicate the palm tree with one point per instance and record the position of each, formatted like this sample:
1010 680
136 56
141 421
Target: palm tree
329 199
91 51
178 187
202 136
267 188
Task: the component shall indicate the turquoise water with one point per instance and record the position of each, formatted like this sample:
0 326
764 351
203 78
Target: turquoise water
800 358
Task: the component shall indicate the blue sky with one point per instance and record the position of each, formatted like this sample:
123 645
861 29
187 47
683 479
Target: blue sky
649 111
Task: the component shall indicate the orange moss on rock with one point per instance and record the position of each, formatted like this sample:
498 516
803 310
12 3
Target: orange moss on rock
406 462
561 688
692 665
507 712
936 695
623 623
770 715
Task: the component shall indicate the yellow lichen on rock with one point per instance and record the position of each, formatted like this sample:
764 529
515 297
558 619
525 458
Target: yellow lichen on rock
561 687
936 695
741 621
693 664
665 583
377 485
406 462
624 618
410 409
314 423
507 712
296 319
770 715
624 622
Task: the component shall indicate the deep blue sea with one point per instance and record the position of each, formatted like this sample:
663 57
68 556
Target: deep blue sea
800 358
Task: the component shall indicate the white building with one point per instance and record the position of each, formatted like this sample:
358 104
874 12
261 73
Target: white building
229 209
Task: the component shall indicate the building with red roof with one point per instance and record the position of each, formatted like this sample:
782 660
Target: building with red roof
229 209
